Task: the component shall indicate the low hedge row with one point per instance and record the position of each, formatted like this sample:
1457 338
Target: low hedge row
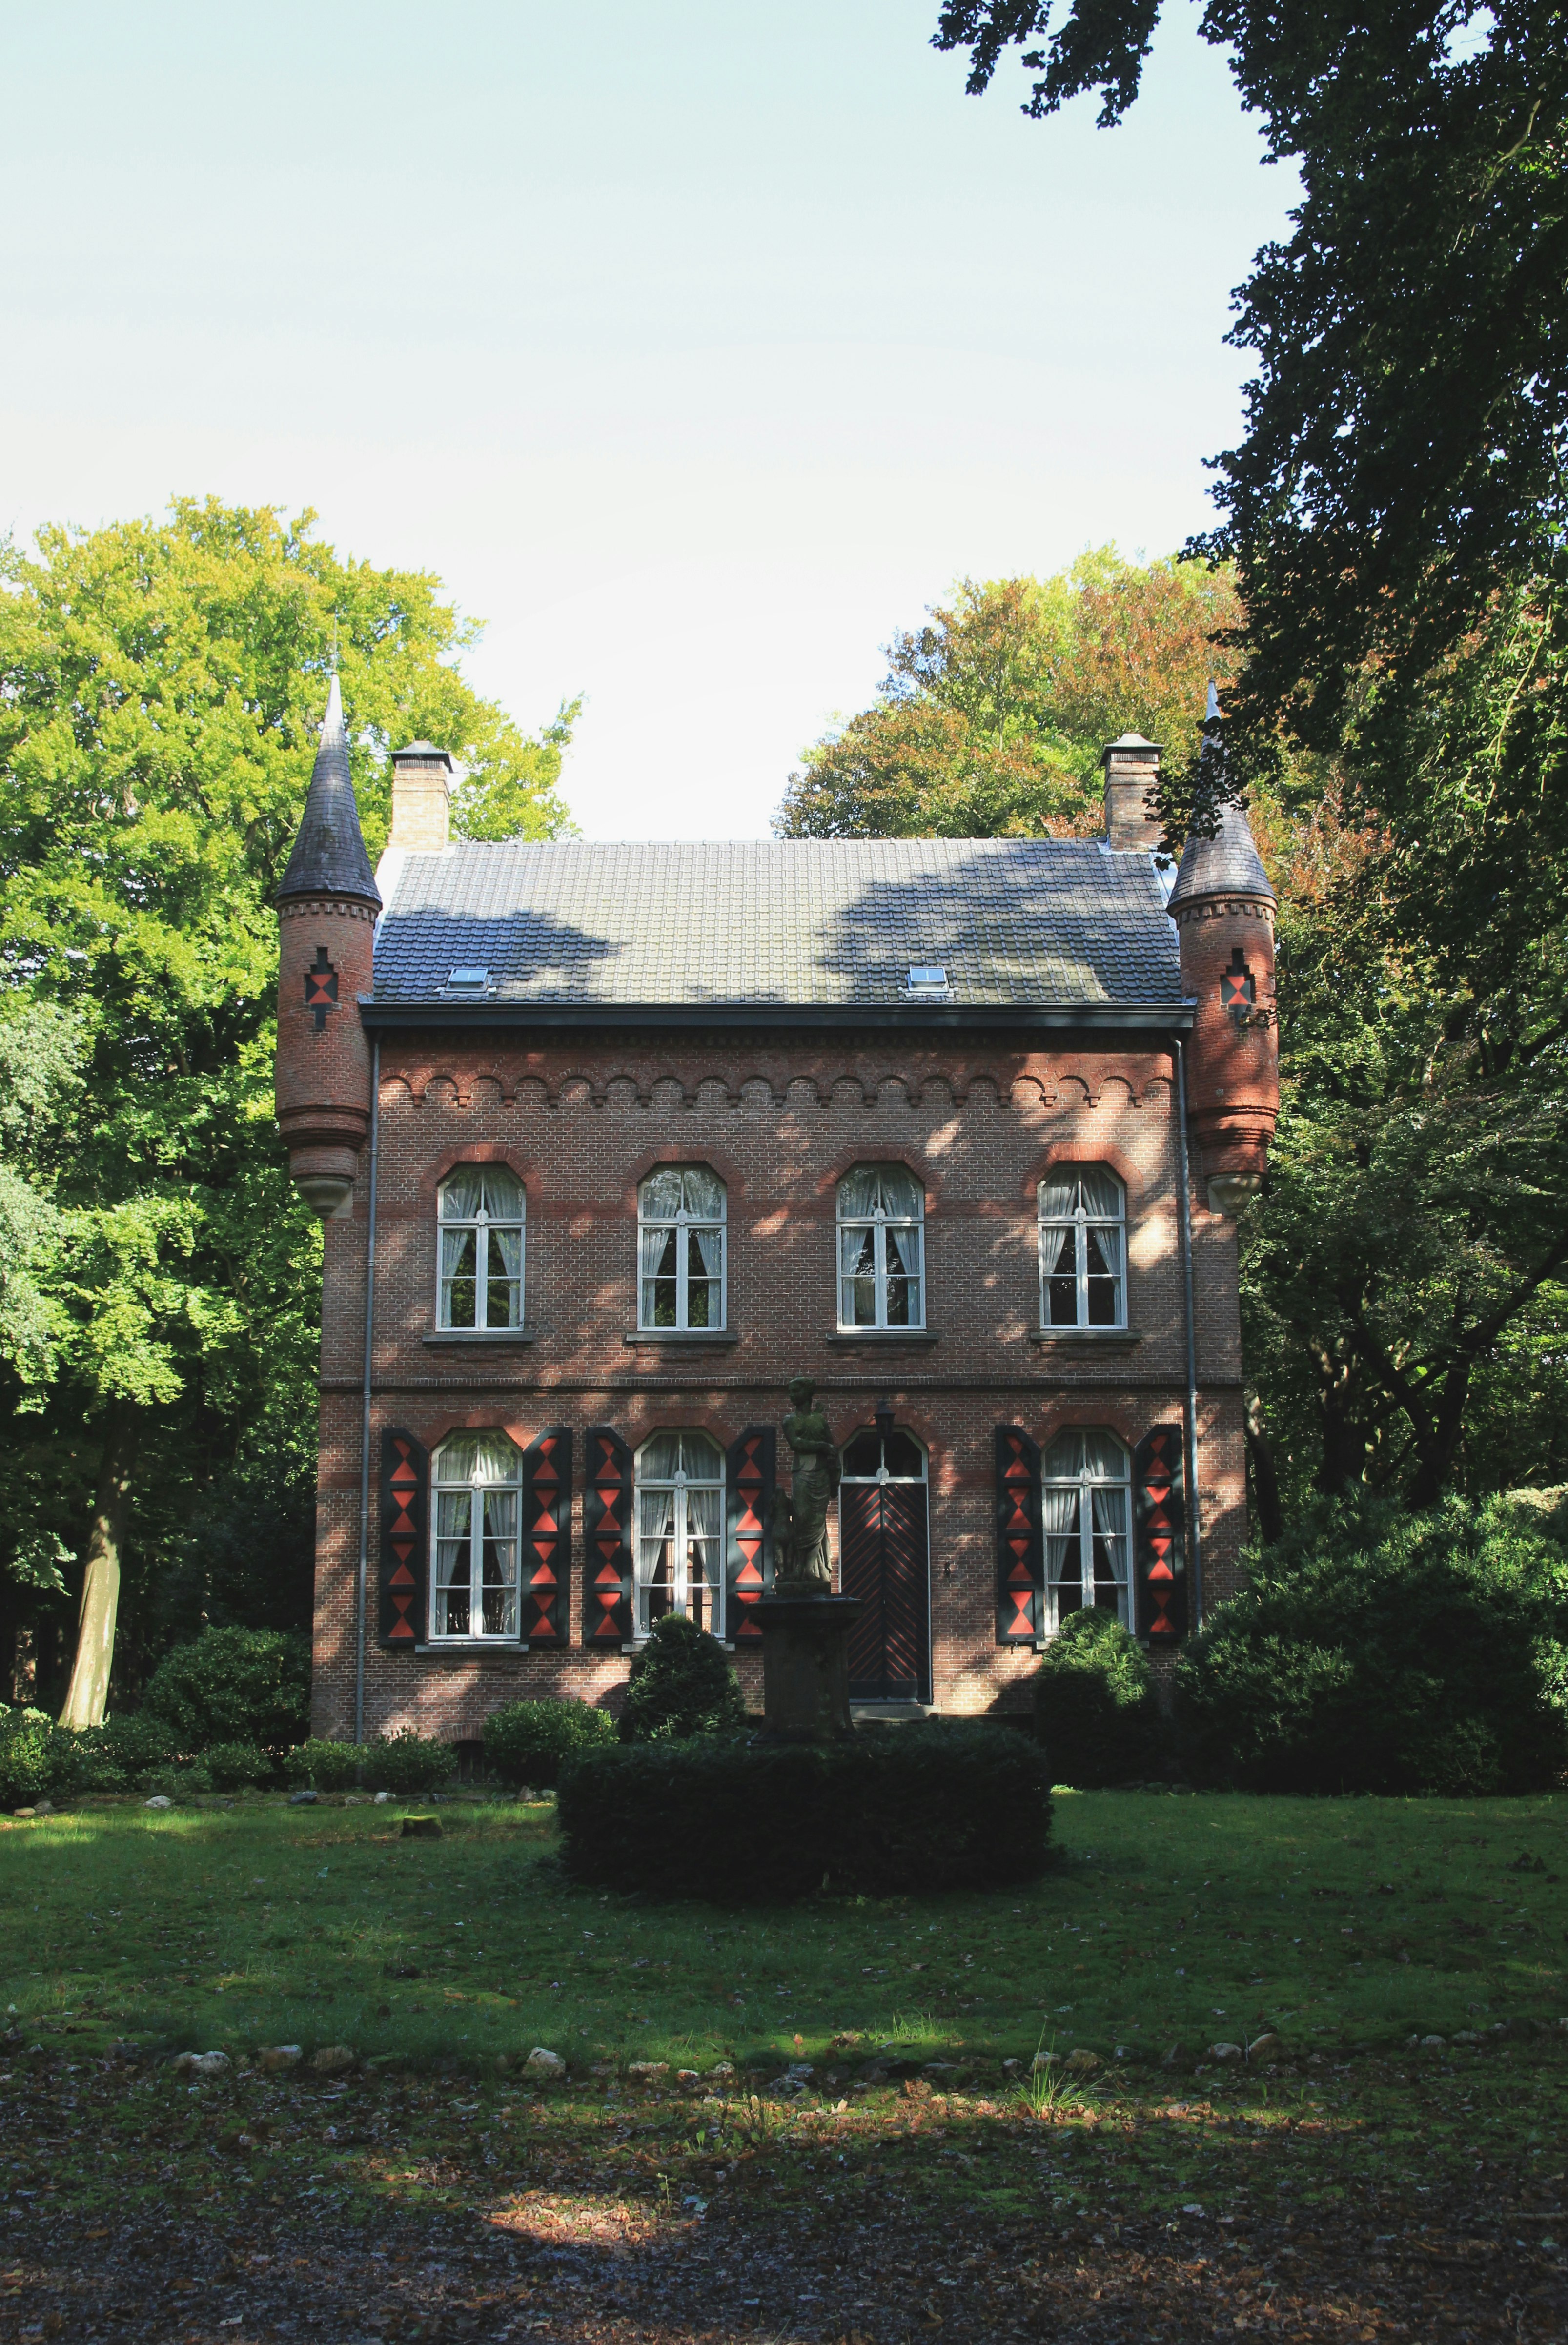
40 1760
912 1809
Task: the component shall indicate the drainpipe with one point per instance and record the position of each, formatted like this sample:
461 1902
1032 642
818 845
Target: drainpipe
1194 1541
365 1399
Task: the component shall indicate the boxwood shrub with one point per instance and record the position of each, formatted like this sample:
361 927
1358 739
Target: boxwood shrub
904 1808
680 1685
403 1763
1094 1705
1375 1650
526 1742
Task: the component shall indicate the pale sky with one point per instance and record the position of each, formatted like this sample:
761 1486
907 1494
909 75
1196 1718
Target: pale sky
696 347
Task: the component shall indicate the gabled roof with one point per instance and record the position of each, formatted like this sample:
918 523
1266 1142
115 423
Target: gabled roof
330 858
821 925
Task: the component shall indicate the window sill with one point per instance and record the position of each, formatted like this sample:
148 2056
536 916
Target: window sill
712 1338
480 1335
1089 1339
842 1335
464 1649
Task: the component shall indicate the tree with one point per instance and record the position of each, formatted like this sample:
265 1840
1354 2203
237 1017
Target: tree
992 717
160 688
1402 461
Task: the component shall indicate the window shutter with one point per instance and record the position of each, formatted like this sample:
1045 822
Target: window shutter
546 1537
405 1542
1160 1516
1020 1550
748 1529
607 1539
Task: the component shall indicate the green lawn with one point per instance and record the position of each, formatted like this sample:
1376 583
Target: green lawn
1166 1921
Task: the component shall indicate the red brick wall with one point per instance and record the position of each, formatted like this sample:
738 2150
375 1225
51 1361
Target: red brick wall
583 1124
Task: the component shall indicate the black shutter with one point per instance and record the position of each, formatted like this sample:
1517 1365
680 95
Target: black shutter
547 1536
607 1539
749 1465
405 1542
1160 1516
1020 1550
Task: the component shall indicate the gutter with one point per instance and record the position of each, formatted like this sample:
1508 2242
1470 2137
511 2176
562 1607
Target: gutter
790 1017
1194 1536
365 1400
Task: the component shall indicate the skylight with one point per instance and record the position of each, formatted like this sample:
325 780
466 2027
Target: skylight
924 977
469 981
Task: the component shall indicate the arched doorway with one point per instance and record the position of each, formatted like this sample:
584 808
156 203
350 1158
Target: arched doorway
884 1561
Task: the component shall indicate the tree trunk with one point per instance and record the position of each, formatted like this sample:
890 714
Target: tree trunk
1265 1480
89 1687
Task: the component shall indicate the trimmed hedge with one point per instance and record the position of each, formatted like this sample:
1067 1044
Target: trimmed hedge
1094 1705
1374 1651
914 1809
526 1742
403 1763
680 1685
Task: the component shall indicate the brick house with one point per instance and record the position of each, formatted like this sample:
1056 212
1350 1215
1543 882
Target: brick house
609 1142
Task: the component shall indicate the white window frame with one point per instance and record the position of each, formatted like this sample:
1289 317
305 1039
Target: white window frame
1083 1483
484 1224
679 1486
1078 1225
683 1224
442 1485
879 1222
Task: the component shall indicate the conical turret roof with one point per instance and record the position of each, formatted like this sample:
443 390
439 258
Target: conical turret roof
1228 863
330 858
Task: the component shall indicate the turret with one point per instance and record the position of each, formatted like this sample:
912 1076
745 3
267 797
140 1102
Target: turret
1223 907
327 909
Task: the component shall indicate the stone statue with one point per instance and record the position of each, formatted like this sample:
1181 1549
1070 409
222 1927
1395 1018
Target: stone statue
801 1565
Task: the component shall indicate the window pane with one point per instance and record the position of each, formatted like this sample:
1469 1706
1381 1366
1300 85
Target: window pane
1103 1455
903 1248
1101 1192
478 1458
503 1291
858 1192
901 1192
459 1289
863 1455
857 1258
659 1278
453 1522
705 1264
655 1557
1062 1284
662 1196
703 1576
502 1197
461 1194
704 1195
1104 1248
1064 1550
1057 1198
901 1455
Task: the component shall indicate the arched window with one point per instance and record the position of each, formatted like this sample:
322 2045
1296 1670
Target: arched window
1083 1248
680 1233
1086 1498
680 1531
478 1480
881 1268
482 1233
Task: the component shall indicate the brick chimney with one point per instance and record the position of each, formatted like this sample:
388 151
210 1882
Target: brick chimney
422 800
1131 770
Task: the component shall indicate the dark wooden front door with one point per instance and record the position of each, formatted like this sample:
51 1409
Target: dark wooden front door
885 1564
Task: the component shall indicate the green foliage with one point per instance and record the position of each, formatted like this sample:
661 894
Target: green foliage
30 1762
992 717
404 1763
234 1685
161 685
321 1766
236 1766
680 1685
526 1742
1374 1651
910 1810
1094 1704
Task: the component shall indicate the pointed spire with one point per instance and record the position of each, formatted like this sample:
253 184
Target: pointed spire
1228 864
330 858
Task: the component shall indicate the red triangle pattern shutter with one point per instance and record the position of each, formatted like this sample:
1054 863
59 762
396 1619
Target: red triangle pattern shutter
1020 1550
547 1536
1160 1522
405 1542
748 1530
606 1539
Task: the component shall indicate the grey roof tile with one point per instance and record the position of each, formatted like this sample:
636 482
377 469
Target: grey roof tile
328 856
1229 864
809 922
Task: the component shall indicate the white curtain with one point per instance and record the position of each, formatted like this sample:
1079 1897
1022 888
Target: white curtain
461 1194
890 1186
668 1453
471 1186
506 1257
666 1193
480 1458
1052 1241
1091 1185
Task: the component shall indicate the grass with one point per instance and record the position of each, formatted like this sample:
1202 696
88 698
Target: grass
1343 2178
1166 1921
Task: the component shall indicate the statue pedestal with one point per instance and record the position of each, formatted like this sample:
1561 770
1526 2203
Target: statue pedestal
806 1666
